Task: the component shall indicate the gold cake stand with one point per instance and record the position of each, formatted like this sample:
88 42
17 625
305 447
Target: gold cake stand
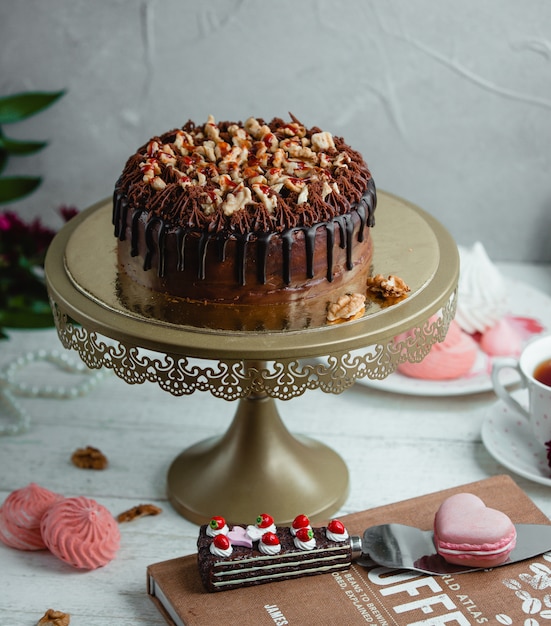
257 464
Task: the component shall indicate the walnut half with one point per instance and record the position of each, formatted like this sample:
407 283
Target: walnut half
347 307
54 618
89 458
391 287
138 511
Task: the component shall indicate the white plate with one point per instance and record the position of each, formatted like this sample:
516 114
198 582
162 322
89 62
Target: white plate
525 301
508 438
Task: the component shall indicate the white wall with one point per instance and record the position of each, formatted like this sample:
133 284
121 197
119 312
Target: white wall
450 102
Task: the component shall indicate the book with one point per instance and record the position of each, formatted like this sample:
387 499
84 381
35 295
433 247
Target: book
516 593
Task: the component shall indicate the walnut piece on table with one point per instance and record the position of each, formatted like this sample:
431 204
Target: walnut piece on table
89 458
141 510
54 618
347 307
391 287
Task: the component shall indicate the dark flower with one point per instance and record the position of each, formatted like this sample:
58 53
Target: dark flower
23 246
67 212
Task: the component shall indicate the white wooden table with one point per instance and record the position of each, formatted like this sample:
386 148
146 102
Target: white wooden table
395 446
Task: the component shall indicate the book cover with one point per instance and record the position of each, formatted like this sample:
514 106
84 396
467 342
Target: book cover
516 594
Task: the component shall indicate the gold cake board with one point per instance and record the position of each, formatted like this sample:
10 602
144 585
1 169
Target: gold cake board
257 464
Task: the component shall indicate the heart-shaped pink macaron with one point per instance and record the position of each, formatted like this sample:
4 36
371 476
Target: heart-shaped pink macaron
468 532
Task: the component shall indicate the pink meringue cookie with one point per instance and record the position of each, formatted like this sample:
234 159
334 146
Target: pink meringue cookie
501 339
19 537
447 360
81 532
21 514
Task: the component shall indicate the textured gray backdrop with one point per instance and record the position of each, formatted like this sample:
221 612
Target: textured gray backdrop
450 102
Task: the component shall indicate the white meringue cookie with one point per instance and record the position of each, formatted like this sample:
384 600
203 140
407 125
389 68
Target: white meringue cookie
482 293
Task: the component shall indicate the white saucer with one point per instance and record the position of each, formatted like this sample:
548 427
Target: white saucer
525 301
477 381
508 438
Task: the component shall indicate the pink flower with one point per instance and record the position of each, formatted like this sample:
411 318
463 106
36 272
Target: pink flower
67 212
4 222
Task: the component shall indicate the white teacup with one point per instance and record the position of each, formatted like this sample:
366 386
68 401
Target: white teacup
539 395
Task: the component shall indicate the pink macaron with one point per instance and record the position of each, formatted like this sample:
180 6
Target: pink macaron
452 358
467 532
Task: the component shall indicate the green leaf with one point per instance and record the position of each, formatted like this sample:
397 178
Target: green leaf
19 106
15 147
26 319
16 187
3 159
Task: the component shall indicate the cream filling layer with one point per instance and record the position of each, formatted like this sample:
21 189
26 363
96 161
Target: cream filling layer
279 564
334 550
275 575
508 546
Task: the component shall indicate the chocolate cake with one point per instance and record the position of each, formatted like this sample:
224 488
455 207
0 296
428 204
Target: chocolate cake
251 225
247 565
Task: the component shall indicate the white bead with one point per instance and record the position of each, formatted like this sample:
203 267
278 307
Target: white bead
8 386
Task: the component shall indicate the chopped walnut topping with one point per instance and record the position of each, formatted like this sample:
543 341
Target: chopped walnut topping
202 158
303 196
138 511
54 618
89 458
347 307
237 200
323 141
150 169
391 287
263 192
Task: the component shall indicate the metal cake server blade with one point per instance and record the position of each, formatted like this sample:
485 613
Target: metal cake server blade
397 546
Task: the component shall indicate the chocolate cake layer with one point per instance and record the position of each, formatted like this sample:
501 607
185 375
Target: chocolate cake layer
221 267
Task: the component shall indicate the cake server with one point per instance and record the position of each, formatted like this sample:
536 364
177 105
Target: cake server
405 547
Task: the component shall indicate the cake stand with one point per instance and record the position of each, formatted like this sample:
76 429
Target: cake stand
257 464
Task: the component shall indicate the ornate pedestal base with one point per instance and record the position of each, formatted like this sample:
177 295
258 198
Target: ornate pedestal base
257 466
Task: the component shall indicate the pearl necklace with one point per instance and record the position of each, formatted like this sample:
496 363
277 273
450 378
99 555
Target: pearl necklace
9 387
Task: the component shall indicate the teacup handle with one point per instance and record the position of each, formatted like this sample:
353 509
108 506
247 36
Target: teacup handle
501 391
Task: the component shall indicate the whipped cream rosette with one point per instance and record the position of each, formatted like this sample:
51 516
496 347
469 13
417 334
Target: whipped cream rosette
21 514
269 544
300 521
221 546
482 296
304 539
217 526
81 532
264 524
336 531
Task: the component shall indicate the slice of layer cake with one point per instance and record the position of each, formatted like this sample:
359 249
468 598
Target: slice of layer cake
256 554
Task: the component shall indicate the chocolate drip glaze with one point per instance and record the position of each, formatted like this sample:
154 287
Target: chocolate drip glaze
330 230
134 250
156 229
202 250
180 243
262 256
